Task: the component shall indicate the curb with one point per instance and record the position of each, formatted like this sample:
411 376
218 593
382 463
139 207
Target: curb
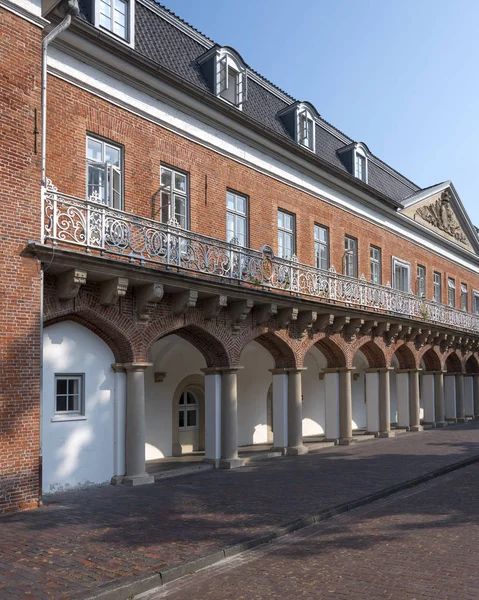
129 587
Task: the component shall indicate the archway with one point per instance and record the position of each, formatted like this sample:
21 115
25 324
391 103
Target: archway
367 361
188 416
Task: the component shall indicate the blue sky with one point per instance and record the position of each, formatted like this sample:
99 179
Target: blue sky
401 76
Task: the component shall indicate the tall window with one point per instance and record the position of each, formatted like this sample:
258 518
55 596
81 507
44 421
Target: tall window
114 17
350 256
306 129
437 293
464 297
69 394
236 218
188 411
360 166
174 197
451 292
375 259
421 281
104 172
321 246
285 234
401 275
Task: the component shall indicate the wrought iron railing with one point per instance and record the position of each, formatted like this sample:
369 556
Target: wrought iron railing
95 227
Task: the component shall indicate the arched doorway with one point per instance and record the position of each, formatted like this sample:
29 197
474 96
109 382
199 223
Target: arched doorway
188 416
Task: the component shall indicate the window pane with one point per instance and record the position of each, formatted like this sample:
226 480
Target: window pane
230 201
96 181
241 225
180 182
61 403
112 156
73 403
73 386
61 386
241 204
190 399
181 418
182 399
280 219
165 178
191 418
94 150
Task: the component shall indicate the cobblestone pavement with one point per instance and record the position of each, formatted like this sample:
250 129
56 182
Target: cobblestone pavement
93 537
419 544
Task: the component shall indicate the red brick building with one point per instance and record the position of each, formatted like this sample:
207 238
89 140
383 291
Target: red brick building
194 261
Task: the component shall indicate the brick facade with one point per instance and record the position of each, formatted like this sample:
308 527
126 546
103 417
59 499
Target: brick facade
20 49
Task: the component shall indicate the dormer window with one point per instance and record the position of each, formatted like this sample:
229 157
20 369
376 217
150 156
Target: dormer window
354 157
115 17
360 167
305 129
230 80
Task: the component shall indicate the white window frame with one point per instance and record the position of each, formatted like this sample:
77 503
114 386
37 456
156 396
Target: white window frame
289 232
303 137
129 40
110 171
318 244
184 408
355 255
451 287
237 215
173 191
224 63
464 295
437 286
376 261
475 302
69 415
421 281
405 264
359 152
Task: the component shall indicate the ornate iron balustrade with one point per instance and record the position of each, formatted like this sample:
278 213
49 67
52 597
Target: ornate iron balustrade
96 227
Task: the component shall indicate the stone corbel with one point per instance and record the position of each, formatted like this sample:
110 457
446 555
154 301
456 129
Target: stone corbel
69 283
183 301
286 316
405 332
353 327
415 332
339 323
393 333
367 327
306 319
323 321
160 376
147 297
239 311
212 306
382 328
264 312
113 289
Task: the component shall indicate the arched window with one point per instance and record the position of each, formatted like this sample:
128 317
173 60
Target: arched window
188 411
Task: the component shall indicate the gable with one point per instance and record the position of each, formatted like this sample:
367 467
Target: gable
439 214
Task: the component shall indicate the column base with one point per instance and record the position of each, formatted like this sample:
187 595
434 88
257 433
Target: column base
416 428
476 417
346 441
334 440
442 423
138 479
296 450
451 420
212 461
231 463
385 434
462 420
282 449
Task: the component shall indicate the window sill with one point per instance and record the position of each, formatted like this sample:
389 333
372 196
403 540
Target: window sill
60 418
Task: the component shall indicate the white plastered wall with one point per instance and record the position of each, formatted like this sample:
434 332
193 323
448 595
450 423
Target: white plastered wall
313 393
253 385
393 389
358 390
77 452
178 359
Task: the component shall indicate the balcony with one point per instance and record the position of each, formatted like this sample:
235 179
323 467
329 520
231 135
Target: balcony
92 227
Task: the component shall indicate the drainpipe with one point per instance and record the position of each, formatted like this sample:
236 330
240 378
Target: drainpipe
72 11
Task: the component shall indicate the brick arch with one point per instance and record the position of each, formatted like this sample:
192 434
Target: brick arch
471 365
117 340
453 363
373 353
405 357
277 346
213 349
332 352
431 359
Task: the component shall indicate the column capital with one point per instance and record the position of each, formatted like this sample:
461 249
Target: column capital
339 369
408 371
281 371
221 370
137 366
432 372
379 370
118 367
452 374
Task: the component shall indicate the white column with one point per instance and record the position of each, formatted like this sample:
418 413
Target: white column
345 406
372 400
295 413
119 434
428 397
280 409
331 404
402 397
440 410
385 403
229 419
469 395
460 405
135 425
212 415
450 396
414 401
